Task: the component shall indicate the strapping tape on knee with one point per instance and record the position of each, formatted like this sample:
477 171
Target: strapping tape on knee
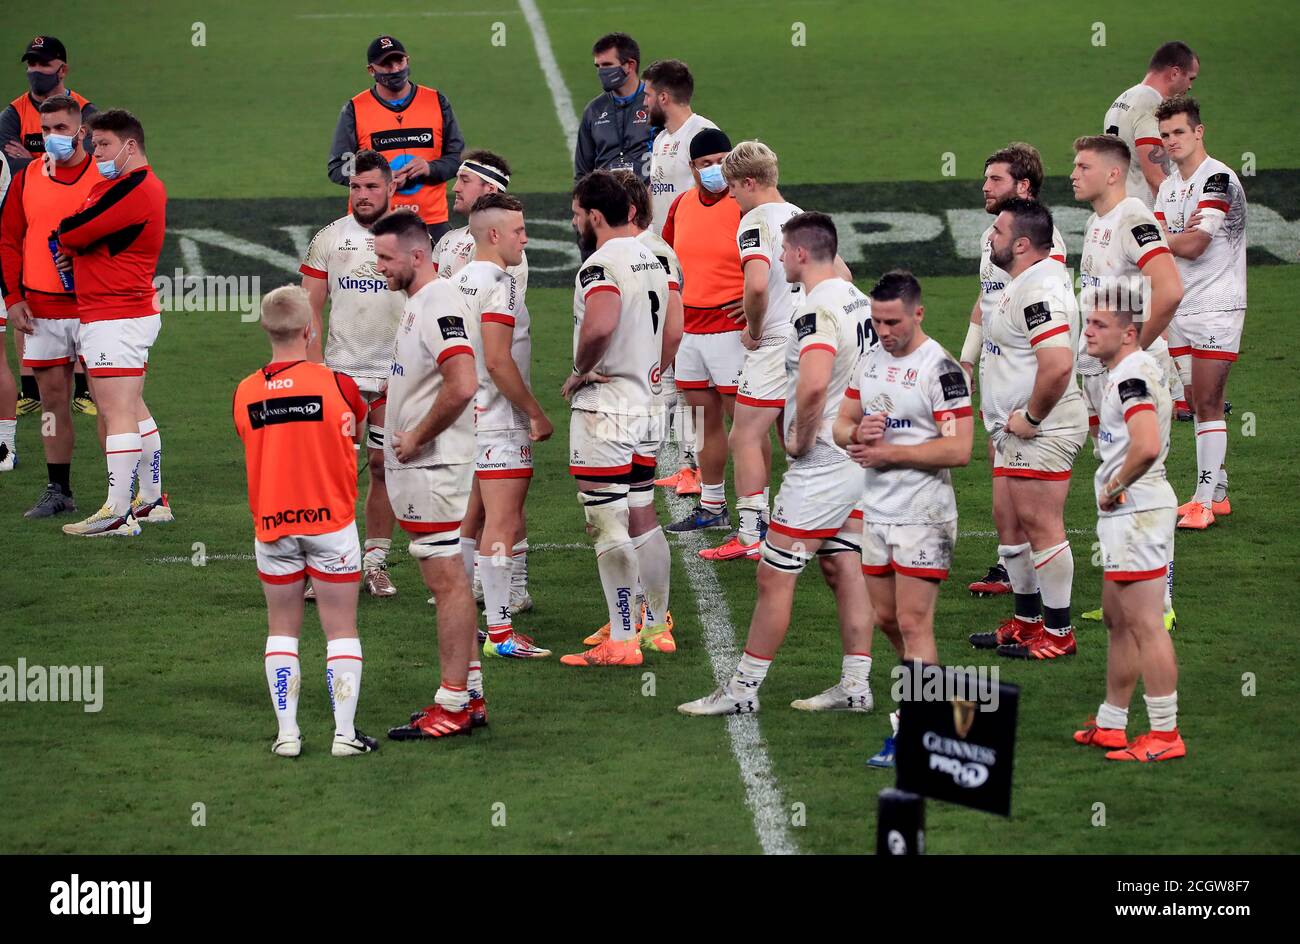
375 437
641 496
790 561
441 544
606 512
850 541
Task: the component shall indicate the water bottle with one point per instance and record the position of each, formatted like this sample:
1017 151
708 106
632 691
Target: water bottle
64 277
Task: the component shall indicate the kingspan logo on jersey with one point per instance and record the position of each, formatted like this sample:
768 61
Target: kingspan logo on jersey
362 284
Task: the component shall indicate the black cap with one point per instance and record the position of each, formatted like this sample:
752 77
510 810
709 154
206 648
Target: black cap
383 47
45 48
709 141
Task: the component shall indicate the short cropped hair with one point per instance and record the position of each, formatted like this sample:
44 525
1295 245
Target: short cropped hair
751 159
1107 145
404 224
601 190
367 160
1180 105
56 103
1172 55
815 232
497 201
285 312
897 284
488 159
672 76
1030 219
120 122
639 195
625 44
1023 162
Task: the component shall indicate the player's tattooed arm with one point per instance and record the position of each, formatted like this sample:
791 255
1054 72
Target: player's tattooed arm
1154 161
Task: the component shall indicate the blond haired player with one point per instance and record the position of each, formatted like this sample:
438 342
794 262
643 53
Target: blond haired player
1135 524
906 419
300 423
1132 117
507 417
815 513
1202 208
481 173
619 305
429 460
1014 171
654 558
1035 415
340 268
1124 248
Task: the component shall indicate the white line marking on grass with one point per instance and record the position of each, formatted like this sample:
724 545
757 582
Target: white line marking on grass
390 14
762 792
564 110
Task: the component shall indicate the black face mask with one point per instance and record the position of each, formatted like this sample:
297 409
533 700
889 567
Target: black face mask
393 81
42 83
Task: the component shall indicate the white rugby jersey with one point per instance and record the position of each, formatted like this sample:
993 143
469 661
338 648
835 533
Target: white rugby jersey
1115 248
363 313
666 255
918 393
994 279
627 267
670 167
492 295
1217 280
1037 311
434 327
759 237
1132 118
456 249
1135 383
834 317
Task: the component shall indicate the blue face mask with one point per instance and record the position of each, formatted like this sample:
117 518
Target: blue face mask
108 169
712 179
60 146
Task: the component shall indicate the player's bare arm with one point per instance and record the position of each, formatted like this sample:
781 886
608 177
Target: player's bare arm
1055 373
674 326
1154 161
503 370
842 270
317 291
20 317
952 448
1191 242
845 428
1166 293
815 368
970 349
459 384
756 272
598 326
1143 450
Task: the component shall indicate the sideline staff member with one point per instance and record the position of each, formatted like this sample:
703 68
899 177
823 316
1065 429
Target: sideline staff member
411 125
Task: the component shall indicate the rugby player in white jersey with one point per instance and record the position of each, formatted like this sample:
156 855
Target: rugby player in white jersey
1124 253
654 558
1202 208
1131 117
816 510
906 419
340 268
507 417
619 305
669 87
1034 412
1014 171
1135 525
429 459
483 172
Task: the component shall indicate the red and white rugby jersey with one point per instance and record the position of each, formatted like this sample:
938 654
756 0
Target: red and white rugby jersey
1115 249
626 267
363 313
436 325
670 167
456 249
1135 383
918 393
489 294
834 317
994 279
1037 311
759 237
666 255
1216 281
1132 118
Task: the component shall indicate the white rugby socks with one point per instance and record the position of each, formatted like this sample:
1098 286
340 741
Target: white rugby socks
749 675
468 555
1162 710
343 681
751 509
495 571
1110 716
1055 567
284 679
149 467
122 452
376 555
654 563
1211 449
855 672
713 497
